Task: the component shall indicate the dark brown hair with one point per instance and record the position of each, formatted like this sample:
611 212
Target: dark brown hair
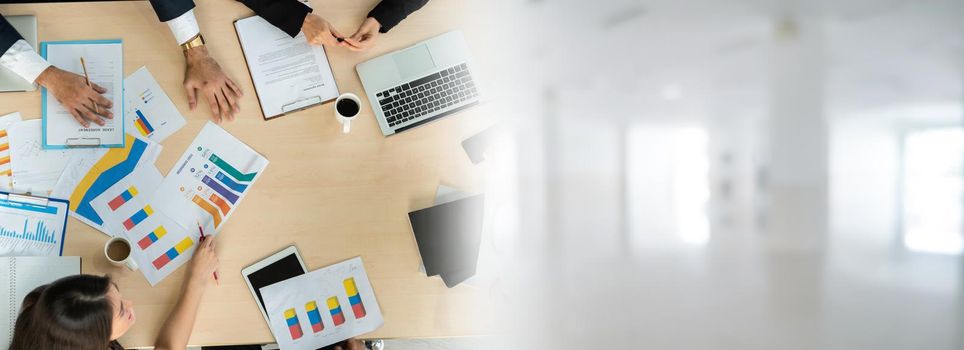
70 313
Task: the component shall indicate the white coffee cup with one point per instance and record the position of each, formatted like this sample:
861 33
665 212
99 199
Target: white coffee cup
114 251
342 114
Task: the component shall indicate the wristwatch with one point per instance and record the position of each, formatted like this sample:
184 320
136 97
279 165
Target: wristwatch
196 41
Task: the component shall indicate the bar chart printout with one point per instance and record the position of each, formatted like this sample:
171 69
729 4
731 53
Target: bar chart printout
31 225
325 306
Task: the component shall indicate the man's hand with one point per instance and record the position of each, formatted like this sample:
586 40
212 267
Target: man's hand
319 32
364 38
72 92
205 75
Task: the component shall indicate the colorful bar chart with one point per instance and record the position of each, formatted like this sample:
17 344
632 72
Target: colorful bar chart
5 159
139 216
208 208
337 317
353 298
314 317
111 168
230 183
218 201
173 253
294 327
41 233
122 198
143 126
231 170
152 237
224 192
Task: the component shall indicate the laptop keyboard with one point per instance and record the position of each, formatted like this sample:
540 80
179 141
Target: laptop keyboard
434 92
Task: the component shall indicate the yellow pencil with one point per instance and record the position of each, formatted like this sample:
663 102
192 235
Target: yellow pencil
87 78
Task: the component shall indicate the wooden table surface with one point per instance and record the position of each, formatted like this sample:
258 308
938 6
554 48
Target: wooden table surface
334 196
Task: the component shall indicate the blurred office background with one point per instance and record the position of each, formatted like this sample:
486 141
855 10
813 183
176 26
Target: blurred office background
741 174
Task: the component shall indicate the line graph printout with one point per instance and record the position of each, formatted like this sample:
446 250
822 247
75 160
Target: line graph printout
210 179
34 169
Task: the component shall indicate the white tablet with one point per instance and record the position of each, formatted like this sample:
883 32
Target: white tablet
278 267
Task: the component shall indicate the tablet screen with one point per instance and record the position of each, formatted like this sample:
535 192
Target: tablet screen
278 271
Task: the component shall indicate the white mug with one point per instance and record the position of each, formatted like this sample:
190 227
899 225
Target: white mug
345 120
125 261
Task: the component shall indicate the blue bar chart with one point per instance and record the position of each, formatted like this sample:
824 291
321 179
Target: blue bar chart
39 232
32 229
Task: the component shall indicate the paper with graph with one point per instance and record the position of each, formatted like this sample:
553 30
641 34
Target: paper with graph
149 113
160 244
34 169
6 181
86 178
322 307
210 179
31 226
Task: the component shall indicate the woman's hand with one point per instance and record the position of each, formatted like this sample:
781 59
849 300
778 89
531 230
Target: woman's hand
78 99
204 263
176 331
319 32
204 75
364 38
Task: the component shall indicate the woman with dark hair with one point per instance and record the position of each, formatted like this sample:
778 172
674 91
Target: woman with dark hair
86 312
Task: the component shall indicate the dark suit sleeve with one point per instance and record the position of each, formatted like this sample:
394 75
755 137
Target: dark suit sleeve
391 12
8 35
287 15
167 10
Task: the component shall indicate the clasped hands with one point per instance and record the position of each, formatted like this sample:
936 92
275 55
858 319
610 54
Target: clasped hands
319 32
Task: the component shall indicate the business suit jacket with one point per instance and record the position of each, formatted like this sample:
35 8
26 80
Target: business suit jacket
288 15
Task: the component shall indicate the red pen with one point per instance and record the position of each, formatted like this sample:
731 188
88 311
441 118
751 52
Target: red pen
201 230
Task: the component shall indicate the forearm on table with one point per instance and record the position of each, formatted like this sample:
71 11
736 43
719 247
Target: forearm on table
176 331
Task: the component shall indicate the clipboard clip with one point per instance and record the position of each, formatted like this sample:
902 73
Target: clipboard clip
82 142
300 104
25 199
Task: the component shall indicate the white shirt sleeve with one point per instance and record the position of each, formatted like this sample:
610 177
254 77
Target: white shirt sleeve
184 27
24 61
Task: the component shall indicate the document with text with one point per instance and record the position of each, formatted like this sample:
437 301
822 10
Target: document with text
104 61
288 73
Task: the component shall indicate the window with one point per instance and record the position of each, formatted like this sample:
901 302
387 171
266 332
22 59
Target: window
933 191
668 183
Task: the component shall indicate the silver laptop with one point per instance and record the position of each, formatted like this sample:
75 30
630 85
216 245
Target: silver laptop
27 27
421 83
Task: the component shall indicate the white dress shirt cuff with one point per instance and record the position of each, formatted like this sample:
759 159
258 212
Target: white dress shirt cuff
24 61
184 27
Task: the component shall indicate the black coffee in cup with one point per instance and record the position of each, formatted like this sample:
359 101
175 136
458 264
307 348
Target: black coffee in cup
347 107
118 250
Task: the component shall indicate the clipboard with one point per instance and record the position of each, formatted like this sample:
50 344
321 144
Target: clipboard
295 105
82 142
32 207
